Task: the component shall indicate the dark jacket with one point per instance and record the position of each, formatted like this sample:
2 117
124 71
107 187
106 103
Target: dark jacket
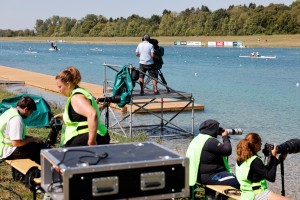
211 160
259 171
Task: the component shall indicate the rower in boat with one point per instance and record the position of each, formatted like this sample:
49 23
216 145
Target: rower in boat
53 47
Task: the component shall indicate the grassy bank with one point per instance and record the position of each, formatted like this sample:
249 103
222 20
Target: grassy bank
249 41
11 189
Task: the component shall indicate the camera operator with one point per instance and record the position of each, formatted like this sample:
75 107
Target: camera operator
159 53
251 173
208 158
145 51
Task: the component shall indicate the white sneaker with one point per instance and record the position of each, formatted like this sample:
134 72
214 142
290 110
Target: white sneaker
39 189
46 197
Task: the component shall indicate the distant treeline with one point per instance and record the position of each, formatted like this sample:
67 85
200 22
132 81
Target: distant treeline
236 20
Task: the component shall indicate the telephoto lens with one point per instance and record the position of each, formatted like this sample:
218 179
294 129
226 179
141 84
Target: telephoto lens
290 146
236 131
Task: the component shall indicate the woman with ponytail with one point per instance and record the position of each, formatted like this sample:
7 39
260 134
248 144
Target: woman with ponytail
251 172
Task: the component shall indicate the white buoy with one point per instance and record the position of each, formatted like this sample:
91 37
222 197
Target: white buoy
195 74
297 84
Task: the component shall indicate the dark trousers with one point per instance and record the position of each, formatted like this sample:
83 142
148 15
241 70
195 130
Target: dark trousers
31 150
221 178
82 140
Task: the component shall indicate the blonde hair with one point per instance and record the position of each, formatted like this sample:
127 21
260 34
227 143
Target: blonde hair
71 75
246 147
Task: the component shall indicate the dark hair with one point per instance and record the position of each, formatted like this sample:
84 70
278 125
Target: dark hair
71 75
28 102
154 42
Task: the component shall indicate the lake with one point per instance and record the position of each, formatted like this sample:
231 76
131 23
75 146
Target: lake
256 95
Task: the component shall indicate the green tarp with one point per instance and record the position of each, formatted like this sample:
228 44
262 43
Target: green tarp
123 86
39 118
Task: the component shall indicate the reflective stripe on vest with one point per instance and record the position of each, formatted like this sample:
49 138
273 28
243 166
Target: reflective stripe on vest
246 186
4 118
75 128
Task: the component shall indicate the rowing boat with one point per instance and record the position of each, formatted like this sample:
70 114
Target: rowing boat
96 49
265 57
52 49
27 51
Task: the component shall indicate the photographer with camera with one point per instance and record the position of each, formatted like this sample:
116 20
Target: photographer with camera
82 115
251 173
208 158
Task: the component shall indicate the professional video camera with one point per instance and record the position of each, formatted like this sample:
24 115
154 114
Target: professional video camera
236 131
56 126
113 99
290 146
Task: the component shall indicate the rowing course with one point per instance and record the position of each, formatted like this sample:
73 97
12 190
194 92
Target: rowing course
47 83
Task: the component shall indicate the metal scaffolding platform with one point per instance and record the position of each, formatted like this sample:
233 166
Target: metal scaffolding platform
154 104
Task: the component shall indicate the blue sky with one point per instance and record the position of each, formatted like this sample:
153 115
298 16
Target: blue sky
22 14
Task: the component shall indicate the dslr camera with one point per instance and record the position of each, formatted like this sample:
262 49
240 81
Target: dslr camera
236 131
56 126
290 146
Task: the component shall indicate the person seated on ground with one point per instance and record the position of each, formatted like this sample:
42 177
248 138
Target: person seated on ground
82 116
14 143
251 173
208 158
145 52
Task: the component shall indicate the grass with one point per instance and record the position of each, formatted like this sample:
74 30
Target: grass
11 189
268 41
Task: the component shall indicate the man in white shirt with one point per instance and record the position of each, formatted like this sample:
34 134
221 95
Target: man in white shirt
145 51
14 143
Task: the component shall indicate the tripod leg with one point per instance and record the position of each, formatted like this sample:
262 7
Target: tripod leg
163 80
282 178
107 117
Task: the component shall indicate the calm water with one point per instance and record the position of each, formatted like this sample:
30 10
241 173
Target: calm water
257 95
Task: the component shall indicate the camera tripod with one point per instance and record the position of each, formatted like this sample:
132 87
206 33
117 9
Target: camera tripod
161 78
282 177
267 153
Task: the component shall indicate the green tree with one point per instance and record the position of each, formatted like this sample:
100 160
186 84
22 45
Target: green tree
236 20
40 27
88 22
167 23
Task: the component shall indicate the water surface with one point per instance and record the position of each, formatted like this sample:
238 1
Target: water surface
256 95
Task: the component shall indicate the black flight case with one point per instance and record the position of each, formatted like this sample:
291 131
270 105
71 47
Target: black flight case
143 170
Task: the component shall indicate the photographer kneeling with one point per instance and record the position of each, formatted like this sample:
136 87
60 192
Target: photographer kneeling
251 173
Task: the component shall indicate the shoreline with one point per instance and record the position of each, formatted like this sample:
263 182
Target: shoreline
267 41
